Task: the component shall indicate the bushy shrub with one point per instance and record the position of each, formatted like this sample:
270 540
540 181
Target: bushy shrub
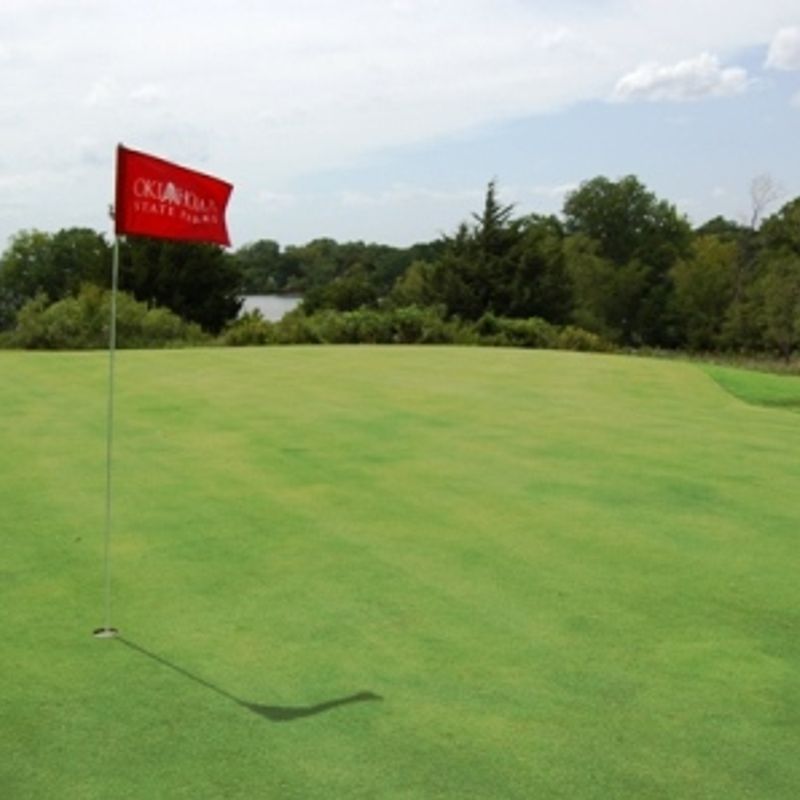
487 326
82 322
364 326
297 328
417 325
504 332
572 338
249 329
407 325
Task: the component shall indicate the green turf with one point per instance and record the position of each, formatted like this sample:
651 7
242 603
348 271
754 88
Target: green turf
758 388
566 576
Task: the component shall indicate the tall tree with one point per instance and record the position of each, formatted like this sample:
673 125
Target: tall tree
781 231
705 284
778 293
199 282
475 272
642 237
540 285
261 266
53 265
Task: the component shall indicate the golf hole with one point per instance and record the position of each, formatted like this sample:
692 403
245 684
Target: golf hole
105 633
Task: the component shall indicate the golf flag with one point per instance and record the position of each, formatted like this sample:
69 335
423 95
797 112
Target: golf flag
157 198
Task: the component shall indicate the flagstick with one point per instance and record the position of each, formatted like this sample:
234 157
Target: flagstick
107 632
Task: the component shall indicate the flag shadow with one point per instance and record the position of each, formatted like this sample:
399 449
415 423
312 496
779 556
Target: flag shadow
272 713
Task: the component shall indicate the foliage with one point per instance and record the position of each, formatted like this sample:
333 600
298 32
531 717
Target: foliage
540 285
53 265
628 222
82 322
500 265
643 238
249 329
347 292
199 282
414 287
500 331
262 268
620 265
704 290
572 338
318 269
595 296
407 325
778 289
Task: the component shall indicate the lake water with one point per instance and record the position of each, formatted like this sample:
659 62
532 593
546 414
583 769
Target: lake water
271 306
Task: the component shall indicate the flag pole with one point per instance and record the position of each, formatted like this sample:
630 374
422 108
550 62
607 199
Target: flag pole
107 632
200 201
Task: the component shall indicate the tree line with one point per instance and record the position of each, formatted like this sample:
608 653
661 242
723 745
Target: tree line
618 266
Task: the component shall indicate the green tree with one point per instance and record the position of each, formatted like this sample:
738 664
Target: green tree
53 265
199 282
771 301
475 273
318 262
722 228
347 292
781 231
643 237
778 293
705 284
414 287
495 229
26 271
391 263
457 280
606 297
261 267
539 283
628 222
81 322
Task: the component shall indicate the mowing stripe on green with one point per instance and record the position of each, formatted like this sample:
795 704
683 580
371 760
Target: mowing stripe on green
564 575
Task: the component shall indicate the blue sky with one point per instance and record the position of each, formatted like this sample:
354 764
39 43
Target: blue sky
384 121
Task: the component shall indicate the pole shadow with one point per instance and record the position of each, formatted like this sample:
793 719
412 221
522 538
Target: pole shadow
272 713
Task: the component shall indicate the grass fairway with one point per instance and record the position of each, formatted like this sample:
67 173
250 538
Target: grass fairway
564 576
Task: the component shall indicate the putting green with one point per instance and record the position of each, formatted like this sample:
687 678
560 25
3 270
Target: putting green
367 572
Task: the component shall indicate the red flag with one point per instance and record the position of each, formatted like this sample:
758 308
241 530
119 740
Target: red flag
157 198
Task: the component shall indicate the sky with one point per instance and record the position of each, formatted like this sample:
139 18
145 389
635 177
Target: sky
384 120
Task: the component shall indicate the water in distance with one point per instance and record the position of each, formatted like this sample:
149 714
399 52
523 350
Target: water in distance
272 306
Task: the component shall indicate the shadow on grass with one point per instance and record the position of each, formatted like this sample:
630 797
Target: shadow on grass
272 713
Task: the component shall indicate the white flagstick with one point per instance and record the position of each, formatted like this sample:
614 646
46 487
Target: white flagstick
107 632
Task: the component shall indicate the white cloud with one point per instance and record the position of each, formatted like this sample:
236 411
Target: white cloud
93 152
270 94
277 201
101 93
784 50
692 79
401 193
149 94
22 180
557 191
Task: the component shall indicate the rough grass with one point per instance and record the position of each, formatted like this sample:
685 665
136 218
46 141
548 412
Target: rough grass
565 576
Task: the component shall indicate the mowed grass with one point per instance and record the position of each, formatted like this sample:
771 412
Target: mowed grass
565 576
